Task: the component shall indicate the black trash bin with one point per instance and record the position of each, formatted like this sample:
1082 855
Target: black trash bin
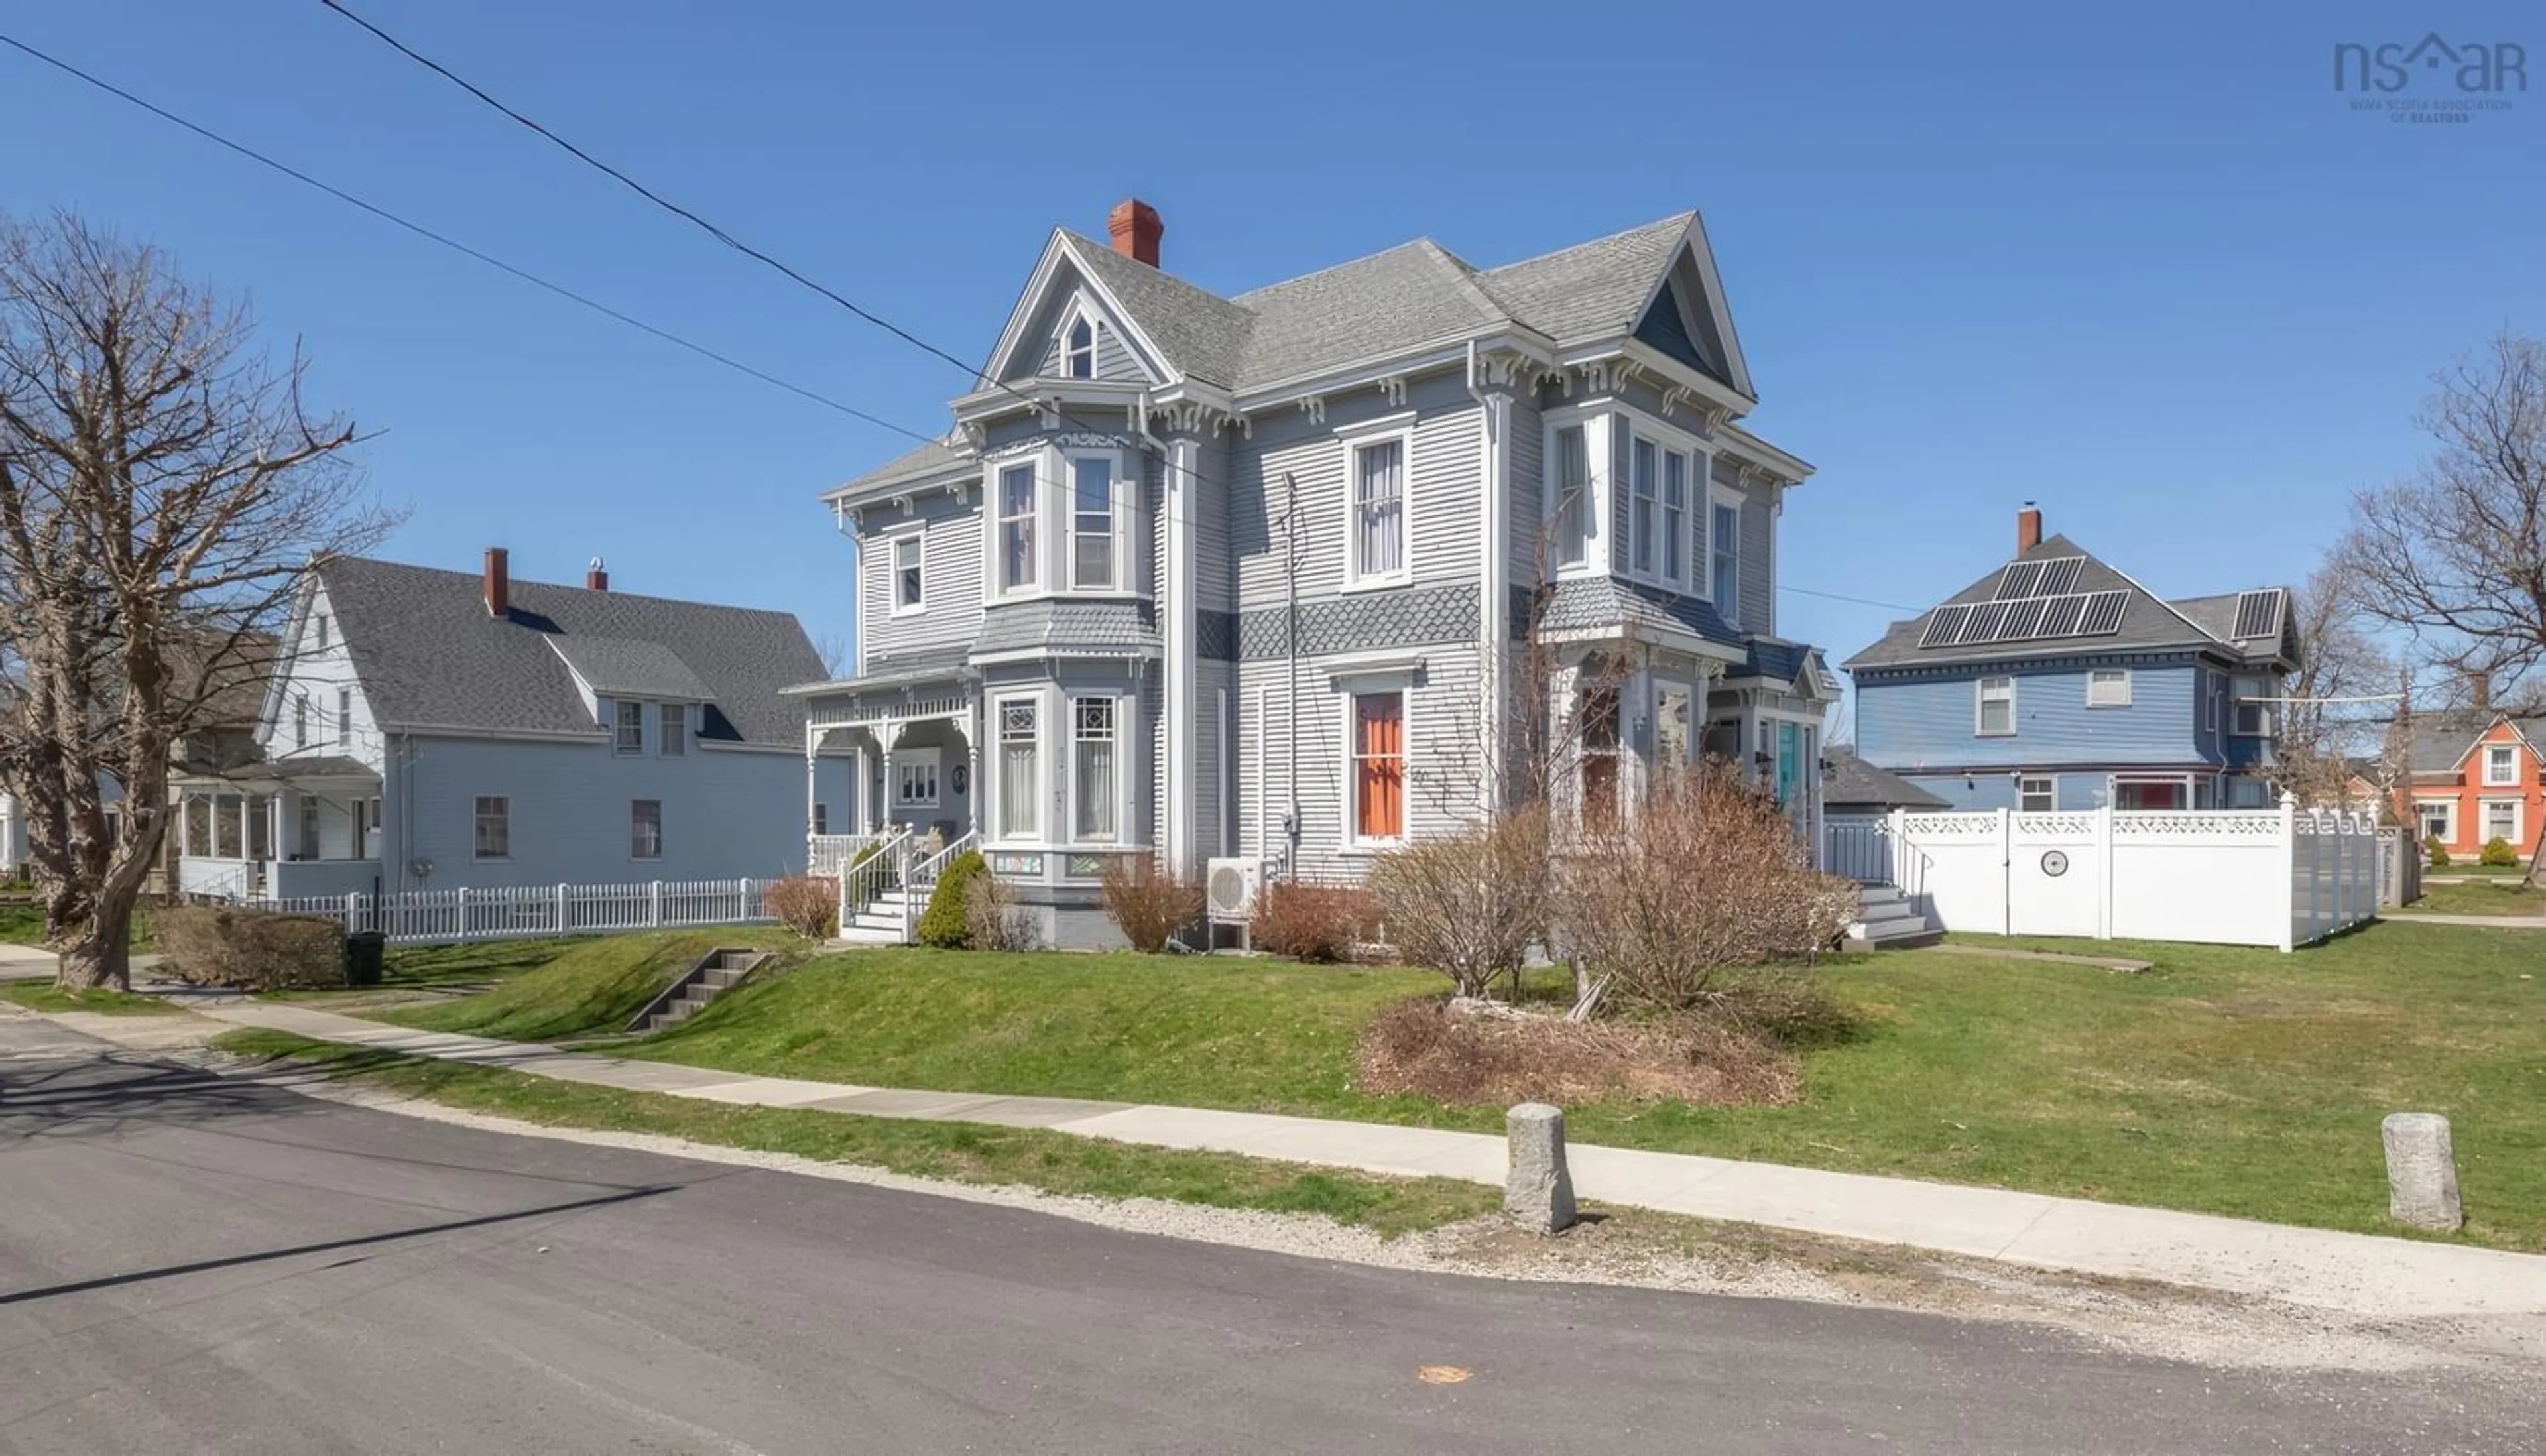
362 951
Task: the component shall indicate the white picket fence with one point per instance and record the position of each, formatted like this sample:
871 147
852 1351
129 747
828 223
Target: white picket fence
448 916
2272 876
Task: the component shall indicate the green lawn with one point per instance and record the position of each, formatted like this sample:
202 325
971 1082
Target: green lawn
2482 898
24 924
969 1153
43 996
2225 1081
553 989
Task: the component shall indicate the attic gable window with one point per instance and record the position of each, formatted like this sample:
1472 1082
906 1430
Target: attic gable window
1078 356
2500 764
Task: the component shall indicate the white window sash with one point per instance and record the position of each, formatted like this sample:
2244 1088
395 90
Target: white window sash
1724 551
1568 494
1019 802
1096 779
1643 485
627 717
1016 545
1983 694
1377 490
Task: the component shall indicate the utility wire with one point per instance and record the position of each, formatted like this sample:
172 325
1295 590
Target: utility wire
430 235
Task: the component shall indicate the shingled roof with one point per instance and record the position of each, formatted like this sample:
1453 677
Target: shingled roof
430 656
2148 622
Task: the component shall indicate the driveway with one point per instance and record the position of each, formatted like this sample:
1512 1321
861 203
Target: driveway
192 1261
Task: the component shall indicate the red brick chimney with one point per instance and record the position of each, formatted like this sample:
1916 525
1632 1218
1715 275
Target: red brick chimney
499 581
1137 228
2028 528
596 578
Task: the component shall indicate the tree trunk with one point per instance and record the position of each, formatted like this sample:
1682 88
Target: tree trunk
98 953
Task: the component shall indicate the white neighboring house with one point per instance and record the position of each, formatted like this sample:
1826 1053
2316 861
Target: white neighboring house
436 730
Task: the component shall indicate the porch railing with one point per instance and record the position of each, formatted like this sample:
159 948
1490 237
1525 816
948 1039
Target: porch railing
832 854
428 916
921 882
1858 848
872 871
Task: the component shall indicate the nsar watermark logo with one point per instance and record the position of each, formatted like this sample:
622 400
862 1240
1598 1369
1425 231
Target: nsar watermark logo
2430 81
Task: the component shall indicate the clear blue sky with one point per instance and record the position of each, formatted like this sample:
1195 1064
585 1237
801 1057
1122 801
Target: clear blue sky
2139 264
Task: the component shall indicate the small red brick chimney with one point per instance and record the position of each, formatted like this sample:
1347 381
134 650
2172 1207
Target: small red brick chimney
1135 227
2028 528
499 581
596 578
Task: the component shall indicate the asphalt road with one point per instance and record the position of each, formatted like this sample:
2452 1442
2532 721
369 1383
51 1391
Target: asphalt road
191 1262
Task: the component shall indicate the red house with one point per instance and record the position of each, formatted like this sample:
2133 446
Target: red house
2477 777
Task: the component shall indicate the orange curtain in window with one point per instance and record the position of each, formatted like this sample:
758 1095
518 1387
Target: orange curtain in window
1379 757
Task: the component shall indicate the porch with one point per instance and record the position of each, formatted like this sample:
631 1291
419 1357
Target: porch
281 830
913 788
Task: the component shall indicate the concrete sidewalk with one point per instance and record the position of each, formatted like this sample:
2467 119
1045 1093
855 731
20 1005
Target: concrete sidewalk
2490 922
2356 1273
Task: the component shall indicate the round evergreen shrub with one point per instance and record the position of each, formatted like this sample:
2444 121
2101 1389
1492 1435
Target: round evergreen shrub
2498 854
2438 852
946 923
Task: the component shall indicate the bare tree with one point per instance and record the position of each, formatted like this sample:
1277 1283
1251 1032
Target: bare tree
834 648
162 492
2456 554
2321 736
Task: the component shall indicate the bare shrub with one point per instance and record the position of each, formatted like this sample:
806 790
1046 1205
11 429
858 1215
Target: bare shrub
1705 876
212 945
808 904
1423 1046
993 920
1469 904
1311 922
1147 901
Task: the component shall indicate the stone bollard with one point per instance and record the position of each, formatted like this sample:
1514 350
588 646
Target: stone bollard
2421 1170
1538 1192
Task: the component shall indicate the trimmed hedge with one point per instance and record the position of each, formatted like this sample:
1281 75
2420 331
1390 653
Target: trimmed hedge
2499 855
2438 852
255 950
946 924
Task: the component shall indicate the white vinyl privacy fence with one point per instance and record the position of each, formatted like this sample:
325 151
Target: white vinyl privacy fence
431 916
2271 876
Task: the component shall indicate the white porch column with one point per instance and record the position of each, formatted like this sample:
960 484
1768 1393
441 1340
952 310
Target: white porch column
812 744
1177 694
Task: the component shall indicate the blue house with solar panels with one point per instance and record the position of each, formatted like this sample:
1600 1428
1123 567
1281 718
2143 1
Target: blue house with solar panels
2057 682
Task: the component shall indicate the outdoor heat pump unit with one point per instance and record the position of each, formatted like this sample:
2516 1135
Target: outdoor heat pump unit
1230 886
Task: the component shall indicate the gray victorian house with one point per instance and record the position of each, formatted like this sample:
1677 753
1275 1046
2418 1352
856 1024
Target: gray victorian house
1251 583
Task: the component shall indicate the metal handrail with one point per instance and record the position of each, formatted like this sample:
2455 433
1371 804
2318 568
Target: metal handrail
920 882
862 881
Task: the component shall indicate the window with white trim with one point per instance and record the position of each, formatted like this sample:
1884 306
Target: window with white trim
914 777
1994 708
2108 687
1020 770
1375 544
1377 751
909 586
1724 556
630 736
344 718
1078 359
1569 497
2439 820
645 828
495 837
1675 518
1644 485
822 818
320 629
1091 522
673 725
2501 821
2253 716
2037 794
1095 770
2500 764
1016 561
300 720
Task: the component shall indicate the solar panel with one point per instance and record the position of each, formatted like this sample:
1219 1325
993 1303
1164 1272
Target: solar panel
1988 624
2020 580
2103 613
2259 614
2060 615
1944 626
2025 618
2059 576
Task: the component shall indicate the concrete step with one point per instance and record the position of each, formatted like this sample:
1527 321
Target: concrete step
857 934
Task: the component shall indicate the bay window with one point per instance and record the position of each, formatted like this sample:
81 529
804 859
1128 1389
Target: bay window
1020 770
1376 539
1091 522
2253 716
1378 770
1646 458
1675 518
1094 769
1724 548
1016 541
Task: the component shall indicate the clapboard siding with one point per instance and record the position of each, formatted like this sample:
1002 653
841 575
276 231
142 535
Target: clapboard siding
1928 722
726 813
950 574
1757 610
316 674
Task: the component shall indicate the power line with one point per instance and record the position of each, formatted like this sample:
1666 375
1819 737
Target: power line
1833 596
420 230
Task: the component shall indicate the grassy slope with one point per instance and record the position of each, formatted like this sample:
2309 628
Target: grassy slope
2227 1081
43 996
558 987
2482 898
963 1152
